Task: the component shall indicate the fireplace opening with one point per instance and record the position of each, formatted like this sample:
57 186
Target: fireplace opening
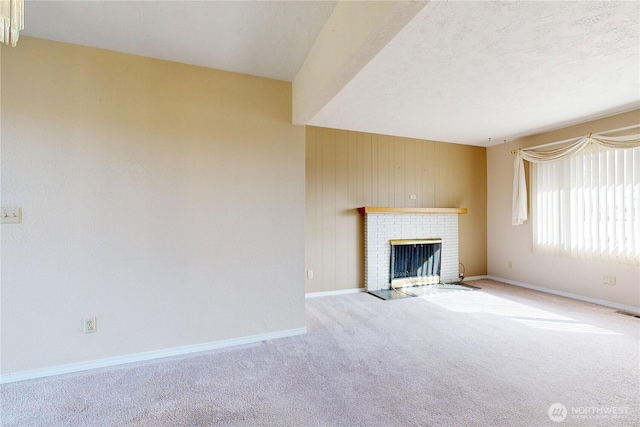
415 262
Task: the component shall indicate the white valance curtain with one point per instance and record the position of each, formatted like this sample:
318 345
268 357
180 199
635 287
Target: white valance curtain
535 155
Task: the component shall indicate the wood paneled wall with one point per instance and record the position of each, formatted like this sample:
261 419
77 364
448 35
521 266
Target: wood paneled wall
346 170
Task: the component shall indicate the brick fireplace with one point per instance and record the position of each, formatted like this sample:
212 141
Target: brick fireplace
381 225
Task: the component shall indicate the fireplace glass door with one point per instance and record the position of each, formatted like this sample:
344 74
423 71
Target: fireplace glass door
415 262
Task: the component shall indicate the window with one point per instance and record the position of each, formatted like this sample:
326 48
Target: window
588 206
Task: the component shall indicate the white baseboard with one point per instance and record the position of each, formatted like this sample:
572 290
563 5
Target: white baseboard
329 293
623 307
357 290
150 355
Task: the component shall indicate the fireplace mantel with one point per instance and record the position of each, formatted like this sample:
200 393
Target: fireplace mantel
388 210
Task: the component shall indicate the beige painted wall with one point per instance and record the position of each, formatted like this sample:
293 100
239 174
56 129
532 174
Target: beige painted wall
346 170
156 196
509 243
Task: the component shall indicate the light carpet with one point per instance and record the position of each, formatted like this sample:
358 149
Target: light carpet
498 356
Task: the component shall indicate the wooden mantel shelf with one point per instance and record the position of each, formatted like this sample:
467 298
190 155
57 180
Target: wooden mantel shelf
385 210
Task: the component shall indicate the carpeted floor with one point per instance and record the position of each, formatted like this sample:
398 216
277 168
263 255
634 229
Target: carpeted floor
498 356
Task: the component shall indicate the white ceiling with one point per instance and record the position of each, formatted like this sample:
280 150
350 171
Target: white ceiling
261 38
460 72
470 71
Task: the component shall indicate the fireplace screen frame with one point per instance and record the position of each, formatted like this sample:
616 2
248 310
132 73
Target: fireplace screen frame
418 280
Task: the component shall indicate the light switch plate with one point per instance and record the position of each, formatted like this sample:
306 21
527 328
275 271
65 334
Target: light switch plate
11 215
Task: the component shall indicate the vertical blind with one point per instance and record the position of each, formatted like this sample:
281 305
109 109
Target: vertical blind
588 205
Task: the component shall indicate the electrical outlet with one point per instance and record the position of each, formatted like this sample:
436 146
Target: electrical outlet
90 325
609 280
11 215
309 274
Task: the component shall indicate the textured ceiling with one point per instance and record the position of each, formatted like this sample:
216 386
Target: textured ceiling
469 71
461 72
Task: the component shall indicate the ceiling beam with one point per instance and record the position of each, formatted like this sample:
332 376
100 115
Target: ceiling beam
354 33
